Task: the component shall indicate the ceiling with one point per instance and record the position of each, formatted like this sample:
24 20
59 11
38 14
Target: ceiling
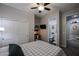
53 6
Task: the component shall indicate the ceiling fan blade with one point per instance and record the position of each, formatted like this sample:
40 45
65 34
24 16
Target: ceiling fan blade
34 7
37 3
45 4
48 9
40 11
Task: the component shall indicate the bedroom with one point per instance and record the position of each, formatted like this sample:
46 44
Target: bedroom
18 24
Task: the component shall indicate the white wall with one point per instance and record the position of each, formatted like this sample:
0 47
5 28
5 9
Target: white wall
44 20
14 32
18 16
37 20
71 12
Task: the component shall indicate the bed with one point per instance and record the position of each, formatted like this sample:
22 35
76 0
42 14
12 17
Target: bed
36 48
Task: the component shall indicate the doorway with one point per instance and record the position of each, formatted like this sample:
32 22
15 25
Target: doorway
72 31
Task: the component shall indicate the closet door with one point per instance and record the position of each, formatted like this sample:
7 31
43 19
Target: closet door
15 32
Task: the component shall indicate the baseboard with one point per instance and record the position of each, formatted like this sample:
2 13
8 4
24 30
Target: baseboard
63 46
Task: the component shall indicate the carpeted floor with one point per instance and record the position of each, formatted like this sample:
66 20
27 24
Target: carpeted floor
71 51
72 48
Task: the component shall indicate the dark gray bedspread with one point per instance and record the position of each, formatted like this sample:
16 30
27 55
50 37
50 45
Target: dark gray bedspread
15 50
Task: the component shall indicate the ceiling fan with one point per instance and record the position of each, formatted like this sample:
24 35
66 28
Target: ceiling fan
41 7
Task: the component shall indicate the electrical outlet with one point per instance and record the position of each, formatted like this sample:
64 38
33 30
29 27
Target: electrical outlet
2 38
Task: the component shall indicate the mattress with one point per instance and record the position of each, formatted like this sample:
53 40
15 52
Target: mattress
41 48
36 48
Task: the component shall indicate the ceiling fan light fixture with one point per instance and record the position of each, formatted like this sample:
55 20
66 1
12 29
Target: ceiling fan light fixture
41 8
